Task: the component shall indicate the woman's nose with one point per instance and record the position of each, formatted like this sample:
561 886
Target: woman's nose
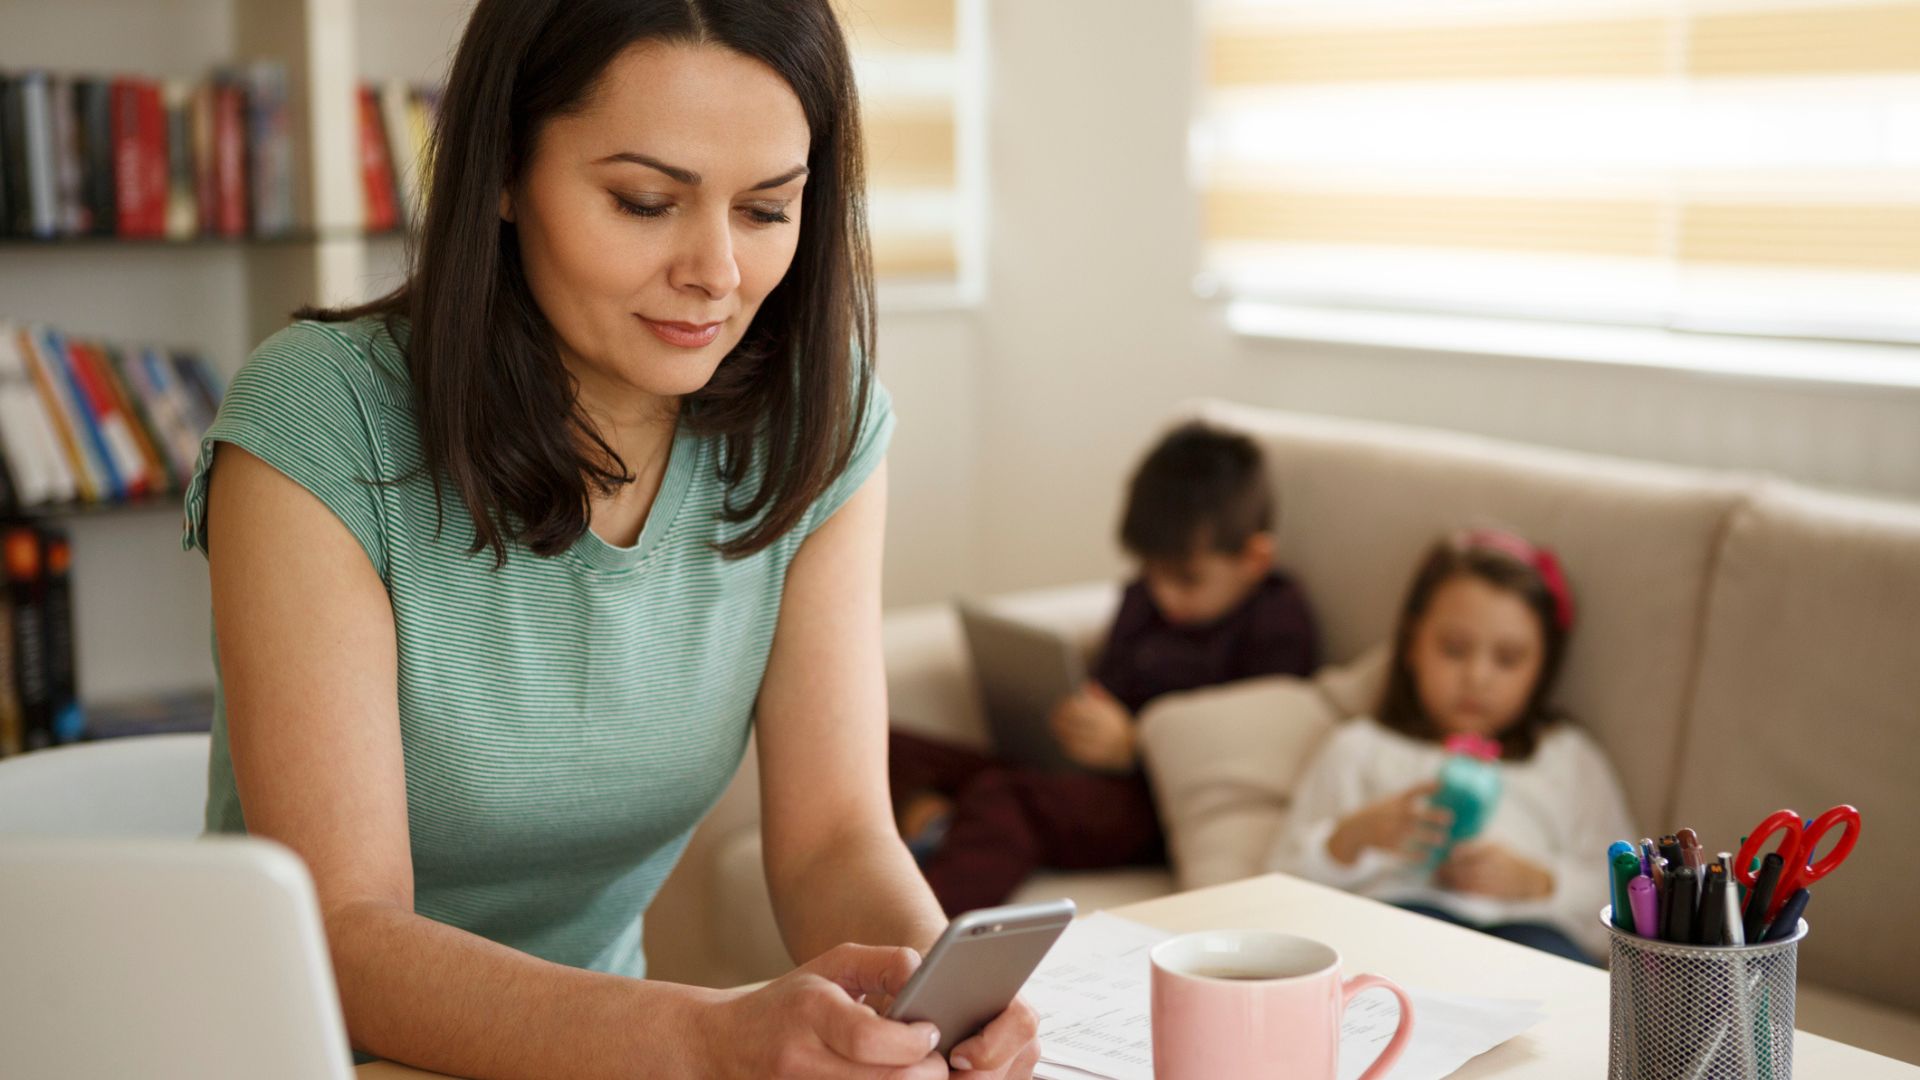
705 260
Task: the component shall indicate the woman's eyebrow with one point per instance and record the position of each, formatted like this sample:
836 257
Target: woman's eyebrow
691 178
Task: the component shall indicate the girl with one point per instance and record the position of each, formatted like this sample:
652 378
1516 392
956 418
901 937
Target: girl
1480 641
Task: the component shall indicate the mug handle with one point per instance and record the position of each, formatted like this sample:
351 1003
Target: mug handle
1402 1033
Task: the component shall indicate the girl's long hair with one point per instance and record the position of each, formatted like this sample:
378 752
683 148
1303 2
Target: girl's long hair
1458 556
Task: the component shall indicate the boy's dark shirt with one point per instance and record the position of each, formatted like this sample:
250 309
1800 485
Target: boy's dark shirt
1270 633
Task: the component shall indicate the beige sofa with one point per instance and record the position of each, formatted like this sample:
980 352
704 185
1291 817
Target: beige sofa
1742 645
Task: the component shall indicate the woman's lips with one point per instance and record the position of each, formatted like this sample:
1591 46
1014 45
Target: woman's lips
683 335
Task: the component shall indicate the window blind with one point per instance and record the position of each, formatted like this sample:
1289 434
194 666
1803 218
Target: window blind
917 66
1746 166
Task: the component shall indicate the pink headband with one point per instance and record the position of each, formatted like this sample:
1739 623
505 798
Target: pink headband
1541 559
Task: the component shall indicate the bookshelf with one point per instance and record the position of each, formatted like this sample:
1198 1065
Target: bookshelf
141 614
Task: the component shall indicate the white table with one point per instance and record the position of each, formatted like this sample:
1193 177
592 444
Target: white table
1432 955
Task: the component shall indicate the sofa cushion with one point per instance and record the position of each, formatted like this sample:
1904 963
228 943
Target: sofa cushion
1360 502
1809 695
1224 761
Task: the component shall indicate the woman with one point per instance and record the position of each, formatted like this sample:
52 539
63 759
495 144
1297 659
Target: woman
504 564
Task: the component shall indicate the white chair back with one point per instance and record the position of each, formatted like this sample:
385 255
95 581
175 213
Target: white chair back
145 785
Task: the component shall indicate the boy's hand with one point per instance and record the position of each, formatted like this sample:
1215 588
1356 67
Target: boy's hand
1486 868
1095 730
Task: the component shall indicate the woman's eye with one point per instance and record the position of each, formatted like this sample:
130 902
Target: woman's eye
768 217
628 206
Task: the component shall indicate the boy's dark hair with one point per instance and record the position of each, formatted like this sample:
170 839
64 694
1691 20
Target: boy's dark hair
1200 489
1459 556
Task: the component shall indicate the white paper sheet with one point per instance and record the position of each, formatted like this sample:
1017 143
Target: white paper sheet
1092 994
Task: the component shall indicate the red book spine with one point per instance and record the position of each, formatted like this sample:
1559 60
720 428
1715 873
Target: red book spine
230 154
126 157
376 168
153 160
111 419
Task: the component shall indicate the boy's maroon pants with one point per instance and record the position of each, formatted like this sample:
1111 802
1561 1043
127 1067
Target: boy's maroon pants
1009 822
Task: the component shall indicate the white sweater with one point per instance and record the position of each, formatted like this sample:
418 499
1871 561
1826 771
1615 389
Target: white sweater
1560 808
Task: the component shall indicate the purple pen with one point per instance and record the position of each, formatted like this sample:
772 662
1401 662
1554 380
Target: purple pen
1646 907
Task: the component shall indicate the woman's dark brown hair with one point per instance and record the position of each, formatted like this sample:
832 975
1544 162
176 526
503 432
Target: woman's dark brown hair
498 414
1501 566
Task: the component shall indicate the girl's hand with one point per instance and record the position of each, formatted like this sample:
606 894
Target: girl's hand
1008 1049
1490 869
1403 825
1095 730
814 1023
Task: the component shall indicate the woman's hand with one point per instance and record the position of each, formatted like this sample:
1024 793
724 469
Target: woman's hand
1096 731
814 1023
1008 1049
1486 868
1405 825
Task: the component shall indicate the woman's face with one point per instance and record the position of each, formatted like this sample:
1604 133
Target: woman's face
655 219
1476 655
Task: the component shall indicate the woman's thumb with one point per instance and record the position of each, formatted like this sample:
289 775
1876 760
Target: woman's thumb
867 969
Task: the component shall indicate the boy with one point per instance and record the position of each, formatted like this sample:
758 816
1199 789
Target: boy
1208 608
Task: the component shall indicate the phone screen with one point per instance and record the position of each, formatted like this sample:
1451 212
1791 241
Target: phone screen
977 967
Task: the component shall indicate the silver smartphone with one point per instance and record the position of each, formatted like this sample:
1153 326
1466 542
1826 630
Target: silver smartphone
973 972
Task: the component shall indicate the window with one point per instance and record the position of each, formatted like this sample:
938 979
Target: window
919 64
1744 166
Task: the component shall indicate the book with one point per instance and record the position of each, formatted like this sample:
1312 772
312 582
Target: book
134 199
65 720
229 159
404 151
376 168
26 675
71 214
270 148
96 143
55 401
38 467
183 203
43 209
89 425
13 729
206 192
146 431
111 416
148 370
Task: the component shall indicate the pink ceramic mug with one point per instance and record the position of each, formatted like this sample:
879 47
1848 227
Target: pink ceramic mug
1251 1004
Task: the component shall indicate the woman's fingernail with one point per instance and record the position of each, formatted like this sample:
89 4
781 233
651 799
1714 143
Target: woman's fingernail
933 1038
962 1064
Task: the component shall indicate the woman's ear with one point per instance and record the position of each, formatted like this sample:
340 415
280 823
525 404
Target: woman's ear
506 205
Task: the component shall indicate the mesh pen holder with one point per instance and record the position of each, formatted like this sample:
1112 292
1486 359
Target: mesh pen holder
1693 1012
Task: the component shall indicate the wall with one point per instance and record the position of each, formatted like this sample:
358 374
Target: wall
1019 419
1092 337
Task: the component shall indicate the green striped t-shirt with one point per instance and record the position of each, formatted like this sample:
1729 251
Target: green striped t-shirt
566 721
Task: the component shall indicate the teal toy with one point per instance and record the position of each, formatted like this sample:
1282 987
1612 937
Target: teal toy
1469 787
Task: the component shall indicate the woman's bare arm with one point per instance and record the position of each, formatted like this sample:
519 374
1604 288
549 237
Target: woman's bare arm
307 657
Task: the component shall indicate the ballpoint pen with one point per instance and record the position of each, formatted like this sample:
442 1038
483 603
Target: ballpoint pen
1626 867
1785 923
1761 898
1712 925
1646 907
1732 933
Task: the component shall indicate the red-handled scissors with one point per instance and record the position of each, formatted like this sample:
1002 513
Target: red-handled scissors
1797 849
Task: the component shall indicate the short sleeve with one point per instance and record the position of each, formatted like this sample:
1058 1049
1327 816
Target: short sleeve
869 449
300 404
